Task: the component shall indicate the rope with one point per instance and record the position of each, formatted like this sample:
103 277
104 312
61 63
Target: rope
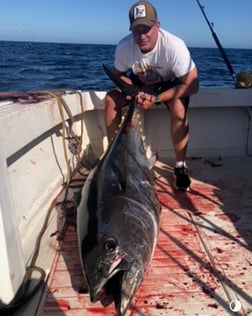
75 142
82 126
219 273
23 294
61 112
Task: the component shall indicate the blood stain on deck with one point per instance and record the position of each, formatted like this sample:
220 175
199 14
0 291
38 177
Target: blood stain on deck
202 260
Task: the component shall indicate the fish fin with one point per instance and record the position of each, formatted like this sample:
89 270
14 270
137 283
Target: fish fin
153 159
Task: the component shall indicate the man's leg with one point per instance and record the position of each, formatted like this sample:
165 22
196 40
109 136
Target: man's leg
114 101
180 137
179 128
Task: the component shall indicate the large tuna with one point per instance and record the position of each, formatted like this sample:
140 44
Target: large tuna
118 219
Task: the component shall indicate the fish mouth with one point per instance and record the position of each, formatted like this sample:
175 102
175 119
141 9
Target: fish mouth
110 291
119 287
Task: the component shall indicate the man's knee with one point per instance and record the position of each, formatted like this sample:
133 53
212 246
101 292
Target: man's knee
114 99
177 109
180 101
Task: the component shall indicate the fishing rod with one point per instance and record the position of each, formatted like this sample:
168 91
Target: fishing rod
221 49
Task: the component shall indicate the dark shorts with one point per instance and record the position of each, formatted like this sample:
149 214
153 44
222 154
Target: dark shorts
159 88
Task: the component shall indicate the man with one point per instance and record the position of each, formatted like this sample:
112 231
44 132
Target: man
155 56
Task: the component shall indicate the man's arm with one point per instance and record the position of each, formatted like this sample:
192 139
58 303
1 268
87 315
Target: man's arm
189 85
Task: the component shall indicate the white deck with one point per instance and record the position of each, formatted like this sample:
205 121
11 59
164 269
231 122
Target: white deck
203 258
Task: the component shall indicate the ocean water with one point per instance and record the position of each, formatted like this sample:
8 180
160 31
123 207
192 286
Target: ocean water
30 66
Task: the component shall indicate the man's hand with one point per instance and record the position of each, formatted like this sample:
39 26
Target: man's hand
145 100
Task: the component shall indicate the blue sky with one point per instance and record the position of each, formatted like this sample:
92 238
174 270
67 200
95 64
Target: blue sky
106 21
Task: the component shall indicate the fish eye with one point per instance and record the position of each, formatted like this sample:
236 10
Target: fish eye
110 244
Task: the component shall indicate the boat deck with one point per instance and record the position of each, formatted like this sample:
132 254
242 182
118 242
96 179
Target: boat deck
203 261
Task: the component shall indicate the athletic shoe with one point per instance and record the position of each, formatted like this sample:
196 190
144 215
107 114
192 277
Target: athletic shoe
182 180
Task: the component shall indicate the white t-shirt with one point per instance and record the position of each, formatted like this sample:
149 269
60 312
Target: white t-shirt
170 57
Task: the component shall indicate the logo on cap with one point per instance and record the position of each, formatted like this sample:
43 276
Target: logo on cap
140 11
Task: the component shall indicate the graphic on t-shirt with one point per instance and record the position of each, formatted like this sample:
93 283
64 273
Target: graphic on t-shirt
148 74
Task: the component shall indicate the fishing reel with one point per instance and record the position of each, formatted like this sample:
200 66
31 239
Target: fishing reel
243 79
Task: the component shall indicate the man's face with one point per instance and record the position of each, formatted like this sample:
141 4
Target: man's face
146 36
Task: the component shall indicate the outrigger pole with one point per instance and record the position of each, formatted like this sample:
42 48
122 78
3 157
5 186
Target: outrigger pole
221 49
